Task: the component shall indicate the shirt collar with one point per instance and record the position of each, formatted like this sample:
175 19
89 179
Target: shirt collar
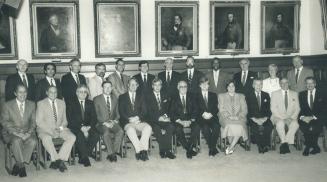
19 103
74 74
313 91
300 68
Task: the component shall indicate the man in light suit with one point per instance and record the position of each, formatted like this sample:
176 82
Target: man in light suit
106 107
52 123
285 109
217 78
43 84
169 78
21 77
244 78
71 80
298 75
118 79
18 121
95 82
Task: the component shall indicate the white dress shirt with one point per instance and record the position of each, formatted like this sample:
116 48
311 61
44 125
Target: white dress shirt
50 79
21 77
270 85
170 72
246 75
313 94
216 76
74 76
19 105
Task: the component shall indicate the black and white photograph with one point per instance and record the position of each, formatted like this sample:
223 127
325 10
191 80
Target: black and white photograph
117 28
176 28
229 27
323 4
8 48
55 29
280 26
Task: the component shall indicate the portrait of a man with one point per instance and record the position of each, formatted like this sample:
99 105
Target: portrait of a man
7 37
280 27
177 30
229 28
55 29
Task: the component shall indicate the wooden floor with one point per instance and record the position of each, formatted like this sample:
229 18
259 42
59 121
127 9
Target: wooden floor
241 166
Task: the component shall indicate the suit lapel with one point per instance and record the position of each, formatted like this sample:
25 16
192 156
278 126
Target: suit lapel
16 108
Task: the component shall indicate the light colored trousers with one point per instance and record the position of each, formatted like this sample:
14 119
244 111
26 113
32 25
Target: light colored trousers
64 152
290 135
23 149
132 131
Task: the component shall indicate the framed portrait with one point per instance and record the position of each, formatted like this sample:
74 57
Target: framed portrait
117 28
280 27
229 27
8 43
323 4
177 28
55 28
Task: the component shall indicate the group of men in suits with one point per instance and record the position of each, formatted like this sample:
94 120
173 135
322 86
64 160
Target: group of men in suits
164 105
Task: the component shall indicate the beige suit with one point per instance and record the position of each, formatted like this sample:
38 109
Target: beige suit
12 122
119 85
48 128
300 84
282 116
95 86
222 79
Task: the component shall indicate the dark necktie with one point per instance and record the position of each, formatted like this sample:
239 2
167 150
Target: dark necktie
52 83
286 100
24 81
190 76
297 75
259 100
122 79
244 78
54 111
205 100
311 100
168 77
77 79
159 101
82 110
184 104
108 105
145 78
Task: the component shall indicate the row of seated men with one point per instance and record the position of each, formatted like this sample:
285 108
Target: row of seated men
164 105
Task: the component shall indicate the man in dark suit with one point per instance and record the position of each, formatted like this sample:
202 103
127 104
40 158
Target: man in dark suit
183 114
157 104
192 76
259 116
49 80
106 107
312 115
18 121
81 118
169 78
71 80
21 77
207 110
217 77
244 79
132 114
144 78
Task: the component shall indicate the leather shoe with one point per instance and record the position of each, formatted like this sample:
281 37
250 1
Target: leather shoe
306 151
315 150
260 149
15 170
282 149
170 155
85 161
22 172
112 158
144 155
189 155
54 165
162 154
213 152
62 166
265 149
138 156
287 148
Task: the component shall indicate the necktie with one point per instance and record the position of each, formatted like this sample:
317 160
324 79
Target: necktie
286 100
21 109
216 78
52 83
297 75
82 110
259 100
24 81
168 77
184 104
121 77
108 105
190 75
77 79
244 78
206 100
54 111
145 78
311 100
133 100
159 101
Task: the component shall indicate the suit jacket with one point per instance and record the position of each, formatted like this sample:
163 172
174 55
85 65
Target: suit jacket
69 85
119 86
226 109
12 120
211 107
244 89
193 85
300 84
253 108
278 106
176 108
222 81
152 107
126 109
45 121
171 87
101 109
144 87
95 86
319 105
41 89
13 80
74 115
